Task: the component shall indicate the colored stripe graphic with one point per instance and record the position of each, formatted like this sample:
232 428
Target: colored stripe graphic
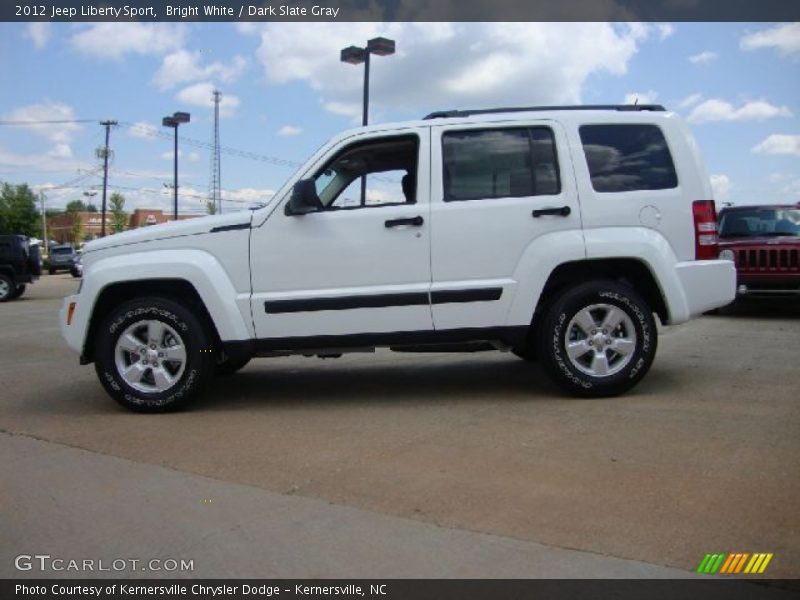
740 564
710 564
735 563
764 564
726 567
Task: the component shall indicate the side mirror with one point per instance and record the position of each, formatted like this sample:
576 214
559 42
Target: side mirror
304 199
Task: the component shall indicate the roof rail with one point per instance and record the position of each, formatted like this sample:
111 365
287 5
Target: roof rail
451 114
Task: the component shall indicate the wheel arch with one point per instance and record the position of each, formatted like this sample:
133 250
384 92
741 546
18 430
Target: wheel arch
632 272
114 294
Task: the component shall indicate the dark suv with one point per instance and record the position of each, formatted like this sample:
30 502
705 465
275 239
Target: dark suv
62 258
20 264
764 243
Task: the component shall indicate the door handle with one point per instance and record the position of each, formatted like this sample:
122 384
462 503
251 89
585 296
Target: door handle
564 211
413 221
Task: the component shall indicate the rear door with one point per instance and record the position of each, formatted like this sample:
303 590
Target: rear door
495 189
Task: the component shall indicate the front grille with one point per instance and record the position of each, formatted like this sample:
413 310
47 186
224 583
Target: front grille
772 259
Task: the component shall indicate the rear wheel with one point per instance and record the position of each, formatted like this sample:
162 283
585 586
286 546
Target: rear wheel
152 355
7 288
598 339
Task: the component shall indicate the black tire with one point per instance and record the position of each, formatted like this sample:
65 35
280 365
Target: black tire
225 366
8 288
19 291
179 325
624 353
526 353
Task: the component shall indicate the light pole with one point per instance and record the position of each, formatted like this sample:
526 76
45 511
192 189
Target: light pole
174 121
91 195
354 55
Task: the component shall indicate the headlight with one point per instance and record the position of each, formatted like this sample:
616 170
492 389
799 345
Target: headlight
727 255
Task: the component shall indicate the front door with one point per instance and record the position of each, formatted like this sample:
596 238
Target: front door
361 263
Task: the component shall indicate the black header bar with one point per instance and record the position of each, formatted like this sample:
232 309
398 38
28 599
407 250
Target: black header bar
399 10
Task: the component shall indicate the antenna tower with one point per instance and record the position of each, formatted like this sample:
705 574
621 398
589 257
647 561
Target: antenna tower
215 192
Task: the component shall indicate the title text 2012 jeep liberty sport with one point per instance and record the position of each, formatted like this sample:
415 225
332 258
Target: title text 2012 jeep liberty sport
556 233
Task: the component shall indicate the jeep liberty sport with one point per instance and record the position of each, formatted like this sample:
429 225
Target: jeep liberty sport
555 233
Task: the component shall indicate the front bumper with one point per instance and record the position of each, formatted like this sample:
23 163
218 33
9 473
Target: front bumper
73 331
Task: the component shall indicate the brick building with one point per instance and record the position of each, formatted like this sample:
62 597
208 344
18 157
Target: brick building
59 227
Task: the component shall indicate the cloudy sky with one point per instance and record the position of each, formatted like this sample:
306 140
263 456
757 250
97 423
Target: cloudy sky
285 92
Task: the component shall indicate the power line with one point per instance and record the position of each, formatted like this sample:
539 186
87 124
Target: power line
46 121
274 160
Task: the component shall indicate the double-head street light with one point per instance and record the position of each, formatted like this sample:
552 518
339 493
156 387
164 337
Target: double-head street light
355 56
174 121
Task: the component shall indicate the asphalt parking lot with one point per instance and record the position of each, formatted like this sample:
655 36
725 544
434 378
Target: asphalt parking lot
411 465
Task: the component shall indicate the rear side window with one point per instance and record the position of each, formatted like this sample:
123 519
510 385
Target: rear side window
499 163
627 158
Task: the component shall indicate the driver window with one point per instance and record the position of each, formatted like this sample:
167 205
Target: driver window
373 173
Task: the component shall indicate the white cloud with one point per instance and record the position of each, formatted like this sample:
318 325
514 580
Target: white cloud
783 38
200 94
143 130
665 30
183 66
39 34
38 163
445 65
289 130
648 97
245 196
191 157
703 58
779 144
114 40
719 110
690 100
61 151
60 134
721 185
792 189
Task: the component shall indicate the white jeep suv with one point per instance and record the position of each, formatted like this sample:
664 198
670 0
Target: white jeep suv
555 233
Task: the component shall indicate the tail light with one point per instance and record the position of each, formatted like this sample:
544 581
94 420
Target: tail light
705 230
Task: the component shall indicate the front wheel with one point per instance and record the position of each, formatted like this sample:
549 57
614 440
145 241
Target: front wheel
19 291
598 339
7 288
152 355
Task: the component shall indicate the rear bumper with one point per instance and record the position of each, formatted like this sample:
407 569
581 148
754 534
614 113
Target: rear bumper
707 284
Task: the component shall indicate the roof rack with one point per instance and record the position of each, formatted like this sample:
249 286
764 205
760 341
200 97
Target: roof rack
451 114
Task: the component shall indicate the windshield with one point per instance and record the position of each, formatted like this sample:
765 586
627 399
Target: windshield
760 222
62 250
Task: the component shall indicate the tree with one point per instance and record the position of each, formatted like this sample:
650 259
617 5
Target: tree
77 228
119 218
18 212
91 208
76 206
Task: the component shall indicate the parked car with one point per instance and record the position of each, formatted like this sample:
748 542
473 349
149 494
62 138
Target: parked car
555 233
764 244
61 258
77 266
20 264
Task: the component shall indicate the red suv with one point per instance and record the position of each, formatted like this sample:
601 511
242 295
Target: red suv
764 242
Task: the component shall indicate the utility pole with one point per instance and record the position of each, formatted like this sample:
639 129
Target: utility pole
44 222
105 152
215 193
